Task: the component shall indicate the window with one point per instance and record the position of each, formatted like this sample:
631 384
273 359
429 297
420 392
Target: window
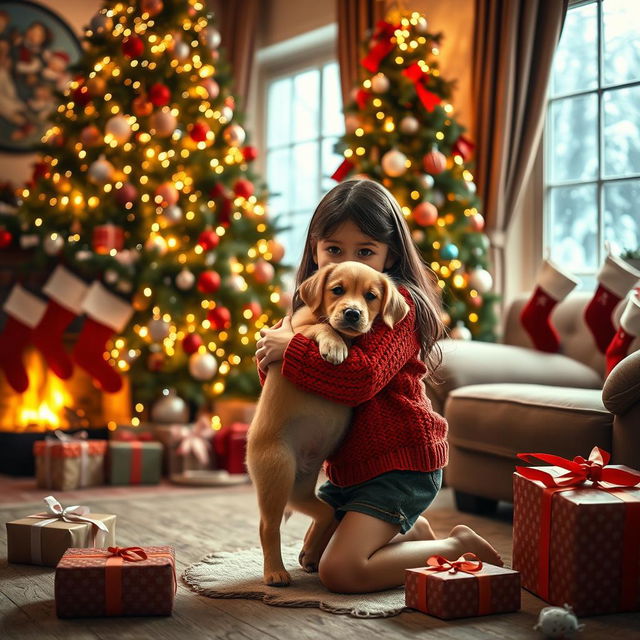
303 122
592 137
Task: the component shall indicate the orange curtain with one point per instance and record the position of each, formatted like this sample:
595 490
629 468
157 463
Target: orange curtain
356 19
237 21
514 45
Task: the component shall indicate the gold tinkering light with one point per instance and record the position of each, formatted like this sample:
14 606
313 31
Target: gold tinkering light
473 317
458 281
359 131
348 153
399 60
367 84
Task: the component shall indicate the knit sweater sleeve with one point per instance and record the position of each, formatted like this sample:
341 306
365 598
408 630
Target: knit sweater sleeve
372 362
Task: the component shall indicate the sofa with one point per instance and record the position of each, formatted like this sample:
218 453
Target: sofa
505 398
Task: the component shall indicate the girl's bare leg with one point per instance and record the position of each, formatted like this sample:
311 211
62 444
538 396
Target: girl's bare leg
421 530
359 558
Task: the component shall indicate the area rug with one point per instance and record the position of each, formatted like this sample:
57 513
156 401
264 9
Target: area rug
239 575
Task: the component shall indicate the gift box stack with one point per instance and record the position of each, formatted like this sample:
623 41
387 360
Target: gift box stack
462 588
575 532
93 576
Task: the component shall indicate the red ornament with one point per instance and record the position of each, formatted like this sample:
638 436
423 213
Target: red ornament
425 214
476 302
434 162
476 221
199 131
249 153
208 240
243 188
132 47
209 281
159 94
220 318
218 190
40 170
254 308
191 343
81 95
141 106
5 238
126 194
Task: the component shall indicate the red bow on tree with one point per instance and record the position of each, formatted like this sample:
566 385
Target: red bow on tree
579 470
429 99
440 563
382 47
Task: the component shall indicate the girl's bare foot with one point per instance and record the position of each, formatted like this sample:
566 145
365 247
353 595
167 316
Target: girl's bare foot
471 542
421 530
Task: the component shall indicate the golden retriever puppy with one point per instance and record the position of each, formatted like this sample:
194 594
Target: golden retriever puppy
294 431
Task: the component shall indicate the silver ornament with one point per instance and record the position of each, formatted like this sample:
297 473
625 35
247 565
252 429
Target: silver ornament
185 280
169 409
380 83
211 37
227 113
53 244
181 51
234 135
460 332
202 366
438 198
426 181
101 171
100 22
172 214
422 25
158 329
394 163
409 125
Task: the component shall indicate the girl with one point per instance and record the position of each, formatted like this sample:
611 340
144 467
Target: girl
388 469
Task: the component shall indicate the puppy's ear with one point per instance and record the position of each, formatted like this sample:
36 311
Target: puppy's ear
394 306
312 289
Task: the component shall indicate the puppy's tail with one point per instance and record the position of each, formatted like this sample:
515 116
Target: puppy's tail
286 516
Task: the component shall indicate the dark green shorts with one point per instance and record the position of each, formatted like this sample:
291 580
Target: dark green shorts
398 497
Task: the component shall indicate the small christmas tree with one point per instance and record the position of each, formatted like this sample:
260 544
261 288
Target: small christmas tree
401 132
145 195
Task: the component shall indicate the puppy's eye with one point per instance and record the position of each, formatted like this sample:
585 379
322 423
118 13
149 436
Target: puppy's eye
370 295
338 291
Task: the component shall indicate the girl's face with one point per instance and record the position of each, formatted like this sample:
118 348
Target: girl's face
347 242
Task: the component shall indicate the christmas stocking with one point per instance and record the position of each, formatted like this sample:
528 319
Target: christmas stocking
552 286
106 315
65 292
24 311
629 329
615 278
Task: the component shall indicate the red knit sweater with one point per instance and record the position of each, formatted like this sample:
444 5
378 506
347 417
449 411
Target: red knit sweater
393 426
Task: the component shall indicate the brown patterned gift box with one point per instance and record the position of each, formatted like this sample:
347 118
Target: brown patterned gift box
132 581
187 447
578 545
69 462
447 590
42 538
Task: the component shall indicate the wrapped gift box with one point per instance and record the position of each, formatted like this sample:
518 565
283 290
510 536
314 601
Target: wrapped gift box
443 591
43 538
71 463
133 581
134 462
187 447
577 544
230 446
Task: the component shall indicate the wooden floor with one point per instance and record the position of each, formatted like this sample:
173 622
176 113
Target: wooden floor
199 521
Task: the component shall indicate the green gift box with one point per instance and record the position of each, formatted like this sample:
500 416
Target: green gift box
135 462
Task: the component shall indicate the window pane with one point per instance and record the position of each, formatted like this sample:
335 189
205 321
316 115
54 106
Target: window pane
621 215
575 65
279 113
330 162
279 180
294 238
332 118
305 176
574 151
306 105
621 131
573 227
621 62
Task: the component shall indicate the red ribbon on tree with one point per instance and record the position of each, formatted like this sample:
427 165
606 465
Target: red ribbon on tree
463 147
383 38
341 172
579 470
429 99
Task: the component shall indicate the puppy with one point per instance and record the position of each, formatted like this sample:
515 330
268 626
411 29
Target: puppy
293 431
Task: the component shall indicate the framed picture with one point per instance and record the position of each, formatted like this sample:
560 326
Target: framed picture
36 49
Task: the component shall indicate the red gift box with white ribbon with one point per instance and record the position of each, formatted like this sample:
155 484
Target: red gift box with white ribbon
576 533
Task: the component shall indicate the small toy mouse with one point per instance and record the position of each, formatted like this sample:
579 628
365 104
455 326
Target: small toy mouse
558 622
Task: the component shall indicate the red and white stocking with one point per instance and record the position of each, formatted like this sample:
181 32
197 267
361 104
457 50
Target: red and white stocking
66 293
106 315
552 286
615 278
618 348
24 311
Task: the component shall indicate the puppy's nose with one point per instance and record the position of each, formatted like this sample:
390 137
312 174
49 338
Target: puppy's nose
352 315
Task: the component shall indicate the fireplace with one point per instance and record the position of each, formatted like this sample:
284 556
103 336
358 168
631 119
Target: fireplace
49 404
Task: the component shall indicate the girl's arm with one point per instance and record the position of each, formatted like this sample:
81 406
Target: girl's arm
372 362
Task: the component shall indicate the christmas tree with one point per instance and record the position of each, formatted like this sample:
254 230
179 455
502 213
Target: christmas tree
400 131
145 204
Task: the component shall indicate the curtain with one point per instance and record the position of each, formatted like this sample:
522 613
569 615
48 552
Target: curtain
237 21
355 19
514 43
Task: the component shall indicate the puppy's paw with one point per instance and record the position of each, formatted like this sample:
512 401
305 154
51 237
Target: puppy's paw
277 578
333 350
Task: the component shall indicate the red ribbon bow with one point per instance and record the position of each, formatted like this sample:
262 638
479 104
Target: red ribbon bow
440 563
579 470
130 554
382 47
429 99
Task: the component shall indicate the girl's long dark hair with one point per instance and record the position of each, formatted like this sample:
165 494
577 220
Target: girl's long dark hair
377 214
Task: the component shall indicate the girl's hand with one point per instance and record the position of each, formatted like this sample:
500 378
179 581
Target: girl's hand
274 341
